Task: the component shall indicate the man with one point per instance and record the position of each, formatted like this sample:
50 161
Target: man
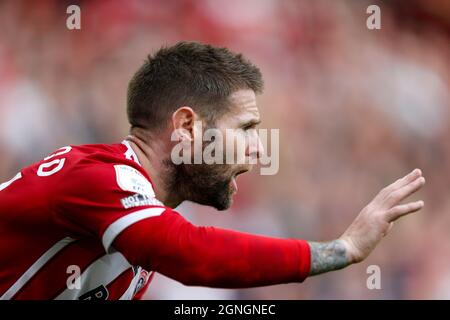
95 221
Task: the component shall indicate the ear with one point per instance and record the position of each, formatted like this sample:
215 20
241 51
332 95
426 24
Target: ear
183 121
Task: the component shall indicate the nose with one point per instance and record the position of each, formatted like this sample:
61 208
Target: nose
255 148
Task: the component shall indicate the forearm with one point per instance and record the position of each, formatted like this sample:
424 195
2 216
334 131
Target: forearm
328 256
229 259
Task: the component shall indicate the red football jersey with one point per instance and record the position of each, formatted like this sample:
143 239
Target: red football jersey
84 223
50 227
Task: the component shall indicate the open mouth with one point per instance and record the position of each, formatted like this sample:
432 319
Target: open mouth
234 185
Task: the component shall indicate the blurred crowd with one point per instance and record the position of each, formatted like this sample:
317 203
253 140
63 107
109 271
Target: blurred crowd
356 109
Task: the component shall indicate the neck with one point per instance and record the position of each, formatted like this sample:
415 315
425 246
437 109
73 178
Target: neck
150 156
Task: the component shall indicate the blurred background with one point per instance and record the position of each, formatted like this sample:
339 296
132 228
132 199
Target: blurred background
356 109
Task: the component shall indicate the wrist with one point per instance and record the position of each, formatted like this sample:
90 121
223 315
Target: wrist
328 256
351 251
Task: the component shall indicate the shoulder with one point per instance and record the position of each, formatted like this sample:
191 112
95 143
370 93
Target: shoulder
101 167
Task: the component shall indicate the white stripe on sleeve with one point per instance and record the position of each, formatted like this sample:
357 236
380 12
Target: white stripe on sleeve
115 228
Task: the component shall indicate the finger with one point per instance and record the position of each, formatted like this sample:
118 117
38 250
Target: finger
413 175
400 194
403 209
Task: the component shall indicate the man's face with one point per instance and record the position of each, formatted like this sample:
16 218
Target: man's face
215 184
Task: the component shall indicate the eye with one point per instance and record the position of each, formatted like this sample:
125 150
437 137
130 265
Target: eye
249 126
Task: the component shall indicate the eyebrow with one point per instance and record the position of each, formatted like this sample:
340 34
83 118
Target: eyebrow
252 122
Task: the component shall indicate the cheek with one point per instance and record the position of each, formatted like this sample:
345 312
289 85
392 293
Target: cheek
235 144
224 172
229 145
242 143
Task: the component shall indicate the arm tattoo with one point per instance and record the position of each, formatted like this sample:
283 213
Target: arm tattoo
327 256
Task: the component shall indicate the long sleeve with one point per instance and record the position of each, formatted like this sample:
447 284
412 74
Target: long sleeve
208 256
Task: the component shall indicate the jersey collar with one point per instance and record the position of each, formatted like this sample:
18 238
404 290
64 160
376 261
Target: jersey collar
130 154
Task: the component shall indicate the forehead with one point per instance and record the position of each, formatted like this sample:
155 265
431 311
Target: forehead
244 104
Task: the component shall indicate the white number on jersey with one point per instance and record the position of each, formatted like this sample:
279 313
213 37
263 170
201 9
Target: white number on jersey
42 172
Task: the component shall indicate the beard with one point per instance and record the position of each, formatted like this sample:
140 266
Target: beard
205 184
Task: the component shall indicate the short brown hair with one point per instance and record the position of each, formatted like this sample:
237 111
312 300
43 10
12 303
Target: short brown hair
188 74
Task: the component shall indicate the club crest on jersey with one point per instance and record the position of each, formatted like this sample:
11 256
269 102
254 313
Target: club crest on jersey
130 179
143 278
